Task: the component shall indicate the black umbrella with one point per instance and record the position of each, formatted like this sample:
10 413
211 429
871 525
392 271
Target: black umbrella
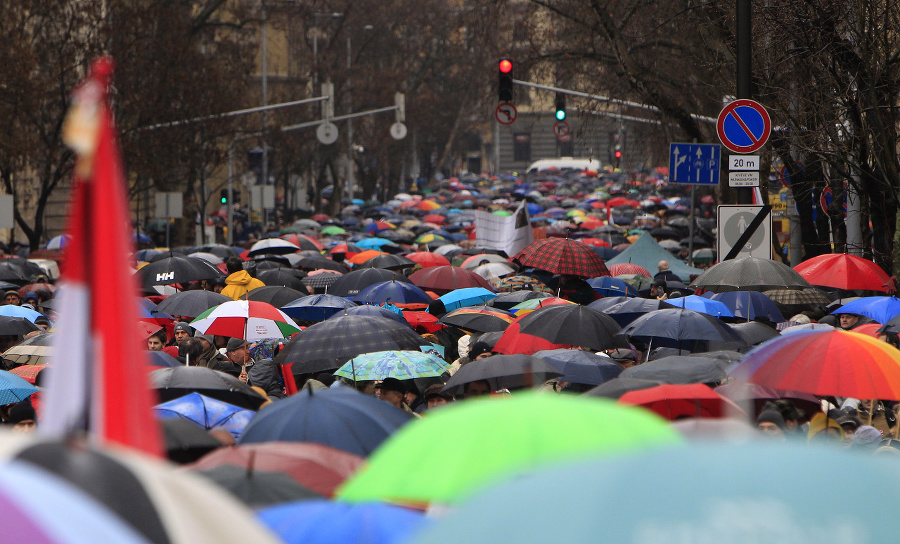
13 272
388 262
626 311
620 385
176 270
333 342
680 369
285 277
273 262
172 383
503 372
31 351
750 274
372 310
186 441
478 319
220 251
351 284
603 304
340 418
258 489
191 303
16 326
321 283
321 263
678 328
505 301
666 233
581 367
165 255
276 295
574 325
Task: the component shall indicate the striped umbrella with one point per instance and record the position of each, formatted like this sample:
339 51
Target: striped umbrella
247 319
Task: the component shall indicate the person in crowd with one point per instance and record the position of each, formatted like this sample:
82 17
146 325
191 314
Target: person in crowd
480 388
12 297
239 282
435 397
771 423
156 341
22 416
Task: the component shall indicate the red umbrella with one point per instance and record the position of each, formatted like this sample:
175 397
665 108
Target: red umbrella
596 242
628 268
831 362
443 279
687 400
304 242
516 341
562 256
348 249
321 218
428 259
434 218
591 224
422 321
844 272
314 466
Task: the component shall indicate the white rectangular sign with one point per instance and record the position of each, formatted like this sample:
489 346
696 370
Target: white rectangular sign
508 233
744 162
743 179
169 205
733 221
7 212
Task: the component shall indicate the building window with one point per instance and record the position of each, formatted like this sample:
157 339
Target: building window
522 147
565 146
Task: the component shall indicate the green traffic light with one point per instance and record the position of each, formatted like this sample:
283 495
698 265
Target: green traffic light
224 200
560 115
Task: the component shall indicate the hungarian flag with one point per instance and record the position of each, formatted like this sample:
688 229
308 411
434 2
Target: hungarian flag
99 385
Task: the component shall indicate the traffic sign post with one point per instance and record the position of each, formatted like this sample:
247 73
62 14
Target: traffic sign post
506 114
696 164
744 231
744 126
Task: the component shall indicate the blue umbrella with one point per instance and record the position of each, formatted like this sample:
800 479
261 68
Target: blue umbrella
678 328
376 311
881 309
395 292
326 522
372 243
460 298
207 412
316 307
703 305
11 310
605 253
703 493
162 359
580 366
612 287
340 418
534 209
58 242
14 389
629 309
750 305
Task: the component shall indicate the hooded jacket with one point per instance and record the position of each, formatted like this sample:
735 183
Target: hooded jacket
239 283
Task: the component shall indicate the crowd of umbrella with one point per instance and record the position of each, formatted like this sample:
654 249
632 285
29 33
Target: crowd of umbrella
618 459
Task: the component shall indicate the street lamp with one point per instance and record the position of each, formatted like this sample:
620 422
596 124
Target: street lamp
316 17
350 162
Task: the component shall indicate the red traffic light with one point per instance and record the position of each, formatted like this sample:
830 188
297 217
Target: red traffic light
505 66
618 154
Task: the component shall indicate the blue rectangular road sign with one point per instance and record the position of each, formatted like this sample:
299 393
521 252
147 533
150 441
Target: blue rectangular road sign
697 164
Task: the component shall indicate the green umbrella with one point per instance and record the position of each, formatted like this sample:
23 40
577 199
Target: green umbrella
332 230
501 212
403 365
459 449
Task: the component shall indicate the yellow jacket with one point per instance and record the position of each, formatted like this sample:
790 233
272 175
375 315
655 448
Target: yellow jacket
238 284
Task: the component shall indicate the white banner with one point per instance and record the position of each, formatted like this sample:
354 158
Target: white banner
509 233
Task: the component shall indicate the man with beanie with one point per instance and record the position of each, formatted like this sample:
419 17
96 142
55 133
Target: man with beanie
181 331
22 416
239 282
771 423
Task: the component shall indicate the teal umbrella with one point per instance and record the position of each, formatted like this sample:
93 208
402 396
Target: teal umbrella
403 365
750 492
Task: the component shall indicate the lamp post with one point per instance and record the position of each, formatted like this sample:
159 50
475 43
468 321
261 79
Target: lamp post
316 17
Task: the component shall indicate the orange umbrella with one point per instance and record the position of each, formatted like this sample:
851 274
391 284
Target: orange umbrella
360 258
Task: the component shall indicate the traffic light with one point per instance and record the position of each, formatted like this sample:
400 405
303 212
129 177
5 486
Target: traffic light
505 81
560 104
224 197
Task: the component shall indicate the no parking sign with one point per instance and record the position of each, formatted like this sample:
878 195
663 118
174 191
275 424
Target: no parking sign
744 126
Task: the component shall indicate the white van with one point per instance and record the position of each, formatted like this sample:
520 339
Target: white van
564 163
